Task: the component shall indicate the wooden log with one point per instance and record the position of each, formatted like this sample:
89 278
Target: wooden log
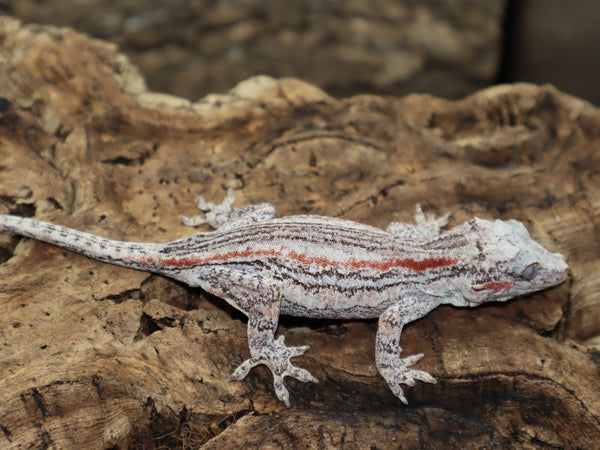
93 355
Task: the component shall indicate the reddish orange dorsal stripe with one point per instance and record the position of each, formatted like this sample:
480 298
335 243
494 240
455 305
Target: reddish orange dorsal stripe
408 263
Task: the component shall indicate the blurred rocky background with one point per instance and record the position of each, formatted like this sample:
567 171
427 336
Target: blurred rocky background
447 48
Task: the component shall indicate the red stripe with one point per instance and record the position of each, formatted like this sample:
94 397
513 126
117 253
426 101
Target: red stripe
382 266
495 286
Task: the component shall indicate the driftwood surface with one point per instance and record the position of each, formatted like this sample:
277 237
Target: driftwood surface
98 356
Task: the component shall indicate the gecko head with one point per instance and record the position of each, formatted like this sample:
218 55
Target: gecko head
506 262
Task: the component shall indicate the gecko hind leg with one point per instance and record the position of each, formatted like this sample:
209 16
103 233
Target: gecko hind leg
223 216
259 298
426 226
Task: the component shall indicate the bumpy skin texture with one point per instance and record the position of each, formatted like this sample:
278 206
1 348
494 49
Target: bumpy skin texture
323 267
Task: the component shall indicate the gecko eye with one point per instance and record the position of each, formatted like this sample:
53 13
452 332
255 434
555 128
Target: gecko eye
530 271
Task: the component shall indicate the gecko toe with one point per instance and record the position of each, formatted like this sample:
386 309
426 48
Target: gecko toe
297 351
412 359
423 376
409 380
281 391
243 369
191 221
398 392
301 375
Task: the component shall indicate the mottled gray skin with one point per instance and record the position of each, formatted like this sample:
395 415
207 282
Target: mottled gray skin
315 266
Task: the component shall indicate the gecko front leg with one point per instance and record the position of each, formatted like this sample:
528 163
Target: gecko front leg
393 369
259 298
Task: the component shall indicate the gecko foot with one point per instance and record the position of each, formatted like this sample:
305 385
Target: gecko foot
223 216
398 373
215 214
426 226
277 358
429 221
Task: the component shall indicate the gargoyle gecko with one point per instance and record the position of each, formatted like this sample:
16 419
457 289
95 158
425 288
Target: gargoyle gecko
324 267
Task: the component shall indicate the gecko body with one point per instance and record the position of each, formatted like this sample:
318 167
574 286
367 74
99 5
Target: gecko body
324 267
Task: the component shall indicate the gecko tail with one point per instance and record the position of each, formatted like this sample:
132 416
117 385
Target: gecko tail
122 253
